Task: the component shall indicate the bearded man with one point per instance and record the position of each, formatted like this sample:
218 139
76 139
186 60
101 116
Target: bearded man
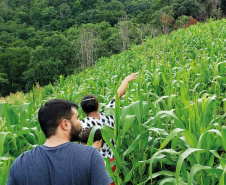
59 161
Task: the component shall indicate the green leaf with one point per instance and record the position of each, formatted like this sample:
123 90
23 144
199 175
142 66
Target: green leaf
170 151
157 174
222 159
198 167
6 158
167 180
125 112
190 138
223 133
2 105
172 134
2 141
181 160
136 110
91 135
127 123
221 182
109 130
209 131
135 165
170 113
132 146
116 154
109 111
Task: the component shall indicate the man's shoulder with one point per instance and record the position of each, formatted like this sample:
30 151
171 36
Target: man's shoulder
80 147
70 148
22 157
84 153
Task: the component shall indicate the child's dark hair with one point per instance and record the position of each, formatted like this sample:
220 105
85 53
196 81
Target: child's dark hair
89 103
86 133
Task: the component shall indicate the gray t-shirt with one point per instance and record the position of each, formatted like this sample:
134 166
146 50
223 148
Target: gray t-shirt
65 164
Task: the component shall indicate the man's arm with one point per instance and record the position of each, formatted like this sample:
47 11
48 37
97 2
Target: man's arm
124 84
99 174
11 179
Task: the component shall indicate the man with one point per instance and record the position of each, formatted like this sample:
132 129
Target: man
59 161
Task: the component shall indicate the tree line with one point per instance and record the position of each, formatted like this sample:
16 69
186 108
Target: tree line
41 39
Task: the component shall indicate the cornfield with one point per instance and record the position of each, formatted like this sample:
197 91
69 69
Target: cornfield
169 125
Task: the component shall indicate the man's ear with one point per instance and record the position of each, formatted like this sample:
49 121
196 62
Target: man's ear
65 124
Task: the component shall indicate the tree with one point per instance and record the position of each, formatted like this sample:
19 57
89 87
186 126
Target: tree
22 17
5 11
216 14
186 7
77 8
114 5
208 6
64 11
123 25
135 7
166 20
3 83
87 4
162 20
223 6
88 46
48 13
153 31
48 61
13 62
185 21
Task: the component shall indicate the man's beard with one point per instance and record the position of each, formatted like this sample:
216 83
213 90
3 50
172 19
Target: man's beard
75 134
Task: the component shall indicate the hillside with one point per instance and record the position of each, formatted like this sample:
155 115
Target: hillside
166 116
36 35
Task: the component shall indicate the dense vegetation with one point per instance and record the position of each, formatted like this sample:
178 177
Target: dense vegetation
41 39
169 124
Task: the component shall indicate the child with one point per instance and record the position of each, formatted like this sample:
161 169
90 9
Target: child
97 139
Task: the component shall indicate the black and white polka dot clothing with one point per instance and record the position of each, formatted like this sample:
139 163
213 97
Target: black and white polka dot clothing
103 120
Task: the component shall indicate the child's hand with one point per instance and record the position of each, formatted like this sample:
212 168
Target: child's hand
131 77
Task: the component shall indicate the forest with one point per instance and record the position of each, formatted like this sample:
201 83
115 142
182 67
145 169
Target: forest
43 39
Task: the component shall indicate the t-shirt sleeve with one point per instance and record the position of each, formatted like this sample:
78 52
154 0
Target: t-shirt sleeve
11 180
111 103
99 174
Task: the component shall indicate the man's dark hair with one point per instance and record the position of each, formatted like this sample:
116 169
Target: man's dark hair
86 133
89 103
50 114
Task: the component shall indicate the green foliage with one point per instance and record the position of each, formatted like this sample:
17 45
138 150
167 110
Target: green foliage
182 21
49 61
187 7
14 61
169 125
28 24
216 14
